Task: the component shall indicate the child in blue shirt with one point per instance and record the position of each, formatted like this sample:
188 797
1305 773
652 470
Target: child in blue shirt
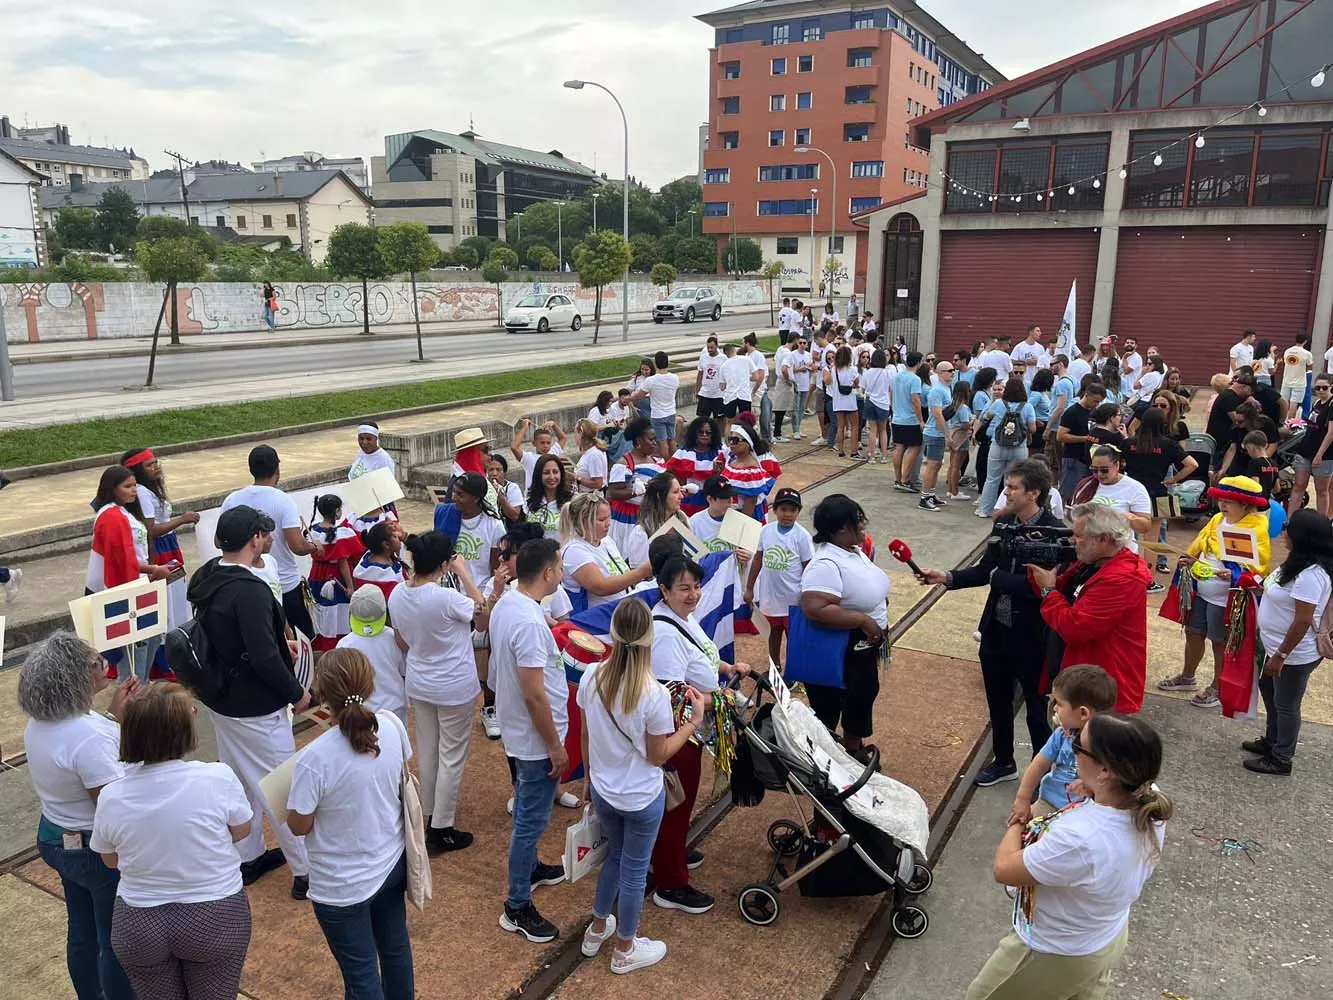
1079 693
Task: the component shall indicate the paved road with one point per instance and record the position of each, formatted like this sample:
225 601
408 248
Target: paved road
74 375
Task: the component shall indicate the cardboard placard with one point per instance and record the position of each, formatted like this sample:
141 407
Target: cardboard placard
370 492
1239 544
1161 549
120 616
304 666
277 787
781 693
740 530
694 549
1167 506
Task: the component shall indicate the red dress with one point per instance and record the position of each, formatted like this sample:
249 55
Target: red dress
332 600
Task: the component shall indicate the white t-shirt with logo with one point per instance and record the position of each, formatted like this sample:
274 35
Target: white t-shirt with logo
661 389
1128 496
65 759
711 366
796 360
1241 354
693 660
1278 609
390 665
521 640
477 537
529 462
357 838
578 553
1296 360
857 583
436 624
736 372
618 761
282 509
268 572
706 528
1020 356
998 360
784 556
168 824
758 363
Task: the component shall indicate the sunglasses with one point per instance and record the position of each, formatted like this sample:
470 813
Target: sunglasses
1102 470
1077 746
1322 388
1161 406
734 439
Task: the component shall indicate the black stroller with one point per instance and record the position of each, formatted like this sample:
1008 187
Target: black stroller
852 842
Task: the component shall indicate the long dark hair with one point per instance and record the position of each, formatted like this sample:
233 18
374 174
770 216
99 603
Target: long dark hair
537 491
983 381
344 681
113 476
1043 381
1131 750
1311 536
376 537
1111 375
1151 431
158 486
327 505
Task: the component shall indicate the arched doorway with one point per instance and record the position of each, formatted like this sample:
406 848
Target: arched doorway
901 290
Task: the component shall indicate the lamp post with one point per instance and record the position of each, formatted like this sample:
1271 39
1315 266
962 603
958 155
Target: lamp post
690 213
813 204
595 196
624 294
518 218
833 211
560 234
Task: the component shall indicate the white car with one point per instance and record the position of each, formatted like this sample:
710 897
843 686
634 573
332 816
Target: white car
541 312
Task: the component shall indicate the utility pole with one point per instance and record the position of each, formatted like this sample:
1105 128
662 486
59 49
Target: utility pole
180 172
6 372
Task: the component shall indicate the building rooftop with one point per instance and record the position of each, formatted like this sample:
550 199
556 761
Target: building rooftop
491 153
97 156
205 187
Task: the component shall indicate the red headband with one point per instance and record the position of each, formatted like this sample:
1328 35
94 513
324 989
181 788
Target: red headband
139 459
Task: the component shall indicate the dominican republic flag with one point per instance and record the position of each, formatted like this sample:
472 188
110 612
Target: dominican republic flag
132 619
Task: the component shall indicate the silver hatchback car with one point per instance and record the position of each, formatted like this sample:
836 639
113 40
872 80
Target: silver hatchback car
688 303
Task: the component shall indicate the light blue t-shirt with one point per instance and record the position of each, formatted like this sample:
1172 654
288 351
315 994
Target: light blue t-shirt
961 416
905 386
967 375
1059 750
980 400
1064 389
1041 405
941 396
996 410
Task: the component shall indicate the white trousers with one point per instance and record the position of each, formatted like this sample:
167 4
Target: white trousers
444 733
252 748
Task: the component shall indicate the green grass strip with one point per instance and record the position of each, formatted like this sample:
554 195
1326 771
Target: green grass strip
102 436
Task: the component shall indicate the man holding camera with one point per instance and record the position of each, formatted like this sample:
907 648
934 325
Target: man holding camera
1013 635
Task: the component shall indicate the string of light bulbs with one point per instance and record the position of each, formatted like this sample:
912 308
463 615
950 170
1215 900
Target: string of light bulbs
1317 79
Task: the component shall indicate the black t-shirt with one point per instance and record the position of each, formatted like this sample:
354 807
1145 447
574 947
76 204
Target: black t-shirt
1075 420
1240 462
1182 431
1269 402
1316 429
1149 466
1100 435
1264 471
1219 417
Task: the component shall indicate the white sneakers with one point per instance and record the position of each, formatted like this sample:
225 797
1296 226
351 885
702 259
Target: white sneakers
567 799
592 943
643 953
490 722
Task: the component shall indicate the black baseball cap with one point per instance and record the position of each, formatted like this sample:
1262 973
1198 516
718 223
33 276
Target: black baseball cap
787 495
238 525
717 488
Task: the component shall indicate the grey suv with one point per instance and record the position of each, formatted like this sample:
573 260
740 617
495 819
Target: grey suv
688 303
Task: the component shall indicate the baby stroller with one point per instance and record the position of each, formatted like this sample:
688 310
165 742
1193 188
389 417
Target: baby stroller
1193 492
864 833
1286 476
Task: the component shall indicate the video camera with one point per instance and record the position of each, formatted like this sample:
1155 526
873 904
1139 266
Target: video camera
1047 546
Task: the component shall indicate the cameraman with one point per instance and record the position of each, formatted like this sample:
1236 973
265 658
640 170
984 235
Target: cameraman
1013 635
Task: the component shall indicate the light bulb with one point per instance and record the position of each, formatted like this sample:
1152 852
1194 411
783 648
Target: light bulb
1050 194
1071 189
1157 160
1039 196
1318 79
1097 181
1199 143
1263 111
992 198
1123 173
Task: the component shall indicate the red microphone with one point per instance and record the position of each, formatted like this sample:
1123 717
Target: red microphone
901 551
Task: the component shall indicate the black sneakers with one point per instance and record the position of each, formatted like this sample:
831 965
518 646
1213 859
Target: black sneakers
928 502
995 772
687 900
445 839
300 886
528 922
693 859
253 871
547 874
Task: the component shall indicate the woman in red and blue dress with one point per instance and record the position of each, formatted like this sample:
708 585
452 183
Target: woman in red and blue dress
380 565
630 477
699 457
331 571
751 469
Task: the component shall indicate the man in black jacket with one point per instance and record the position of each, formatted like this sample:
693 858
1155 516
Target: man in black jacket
1013 634
248 645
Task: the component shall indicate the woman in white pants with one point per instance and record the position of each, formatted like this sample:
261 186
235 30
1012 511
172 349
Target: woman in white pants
433 624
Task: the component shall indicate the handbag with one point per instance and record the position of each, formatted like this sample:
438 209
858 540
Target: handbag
586 845
419 887
815 653
674 787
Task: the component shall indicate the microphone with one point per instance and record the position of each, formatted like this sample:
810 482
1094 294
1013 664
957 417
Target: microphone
901 551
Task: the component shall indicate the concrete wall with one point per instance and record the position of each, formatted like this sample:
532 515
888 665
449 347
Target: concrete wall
40 313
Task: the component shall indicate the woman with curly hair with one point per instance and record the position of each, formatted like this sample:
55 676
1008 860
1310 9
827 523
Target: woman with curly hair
698 457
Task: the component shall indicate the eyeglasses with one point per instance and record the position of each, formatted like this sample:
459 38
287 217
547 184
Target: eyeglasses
1077 745
1102 470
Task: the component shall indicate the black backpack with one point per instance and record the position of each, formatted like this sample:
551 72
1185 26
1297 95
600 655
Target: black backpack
1010 432
190 657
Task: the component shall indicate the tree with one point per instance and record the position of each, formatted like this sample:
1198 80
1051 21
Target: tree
503 256
480 245
55 246
831 269
495 272
696 253
117 220
601 258
162 227
663 274
77 228
742 256
771 272
676 198
549 261
237 262
354 252
407 246
646 254
171 261
466 256
535 253
547 222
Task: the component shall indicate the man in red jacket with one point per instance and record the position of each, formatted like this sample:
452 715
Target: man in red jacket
1099 607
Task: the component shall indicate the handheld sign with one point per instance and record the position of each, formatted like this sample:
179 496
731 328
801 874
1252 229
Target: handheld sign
694 549
740 531
121 616
371 492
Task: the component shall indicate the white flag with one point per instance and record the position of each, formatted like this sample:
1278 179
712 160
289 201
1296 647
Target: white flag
1067 342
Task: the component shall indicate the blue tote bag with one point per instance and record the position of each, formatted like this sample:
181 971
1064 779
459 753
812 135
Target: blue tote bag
815 653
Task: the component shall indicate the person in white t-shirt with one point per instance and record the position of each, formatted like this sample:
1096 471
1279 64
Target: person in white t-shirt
371 636
1081 367
591 472
660 390
546 438
434 623
1149 381
1026 357
170 826
628 733
737 385
1122 494
480 528
997 357
785 550
1242 352
759 379
594 570
345 799
1297 363
622 410
73 754
708 381
1131 363
1079 871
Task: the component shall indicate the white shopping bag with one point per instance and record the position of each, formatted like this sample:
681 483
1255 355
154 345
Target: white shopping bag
585 845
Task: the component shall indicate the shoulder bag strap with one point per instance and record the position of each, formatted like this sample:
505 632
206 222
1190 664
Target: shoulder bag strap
682 630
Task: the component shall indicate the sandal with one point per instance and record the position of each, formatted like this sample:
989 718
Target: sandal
1178 683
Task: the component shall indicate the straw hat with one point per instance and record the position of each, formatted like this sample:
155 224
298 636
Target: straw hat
469 437
1242 489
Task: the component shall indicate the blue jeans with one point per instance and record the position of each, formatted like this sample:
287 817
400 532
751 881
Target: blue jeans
830 419
665 428
802 398
90 897
369 941
766 418
998 463
534 797
630 837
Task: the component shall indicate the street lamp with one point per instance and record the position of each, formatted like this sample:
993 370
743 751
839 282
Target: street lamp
518 217
690 213
833 211
813 205
595 196
624 295
560 234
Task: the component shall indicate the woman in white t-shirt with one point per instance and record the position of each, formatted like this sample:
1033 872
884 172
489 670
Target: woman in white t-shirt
508 494
629 732
841 382
551 489
661 504
345 801
594 569
842 589
591 472
73 753
1290 616
877 381
799 362
1121 493
170 825
1079 870
480 530
434 624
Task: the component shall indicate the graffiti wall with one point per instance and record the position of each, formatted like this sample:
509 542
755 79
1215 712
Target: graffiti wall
42 313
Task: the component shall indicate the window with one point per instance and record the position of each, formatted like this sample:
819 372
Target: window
194 220
803 101
778 102
416 203
909 105
789 206
1288 171
733 35
715 208
811 31
781 34
1151 186
802 137
788 245
221 221
731 105
718 175
911 70
240 222
291 221
856 132
268 222
730 140
790 172
731 71
775 138
779 67
1025 165
867 168
863 21
835 244
805 64
857 95
865 204
439 229
859 58
1221 172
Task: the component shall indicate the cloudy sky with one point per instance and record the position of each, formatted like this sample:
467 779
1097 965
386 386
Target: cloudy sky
242 79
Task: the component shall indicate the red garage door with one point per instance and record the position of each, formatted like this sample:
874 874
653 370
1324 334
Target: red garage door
1003 282
1192 291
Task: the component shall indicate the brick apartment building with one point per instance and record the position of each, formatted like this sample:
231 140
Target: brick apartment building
837 77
